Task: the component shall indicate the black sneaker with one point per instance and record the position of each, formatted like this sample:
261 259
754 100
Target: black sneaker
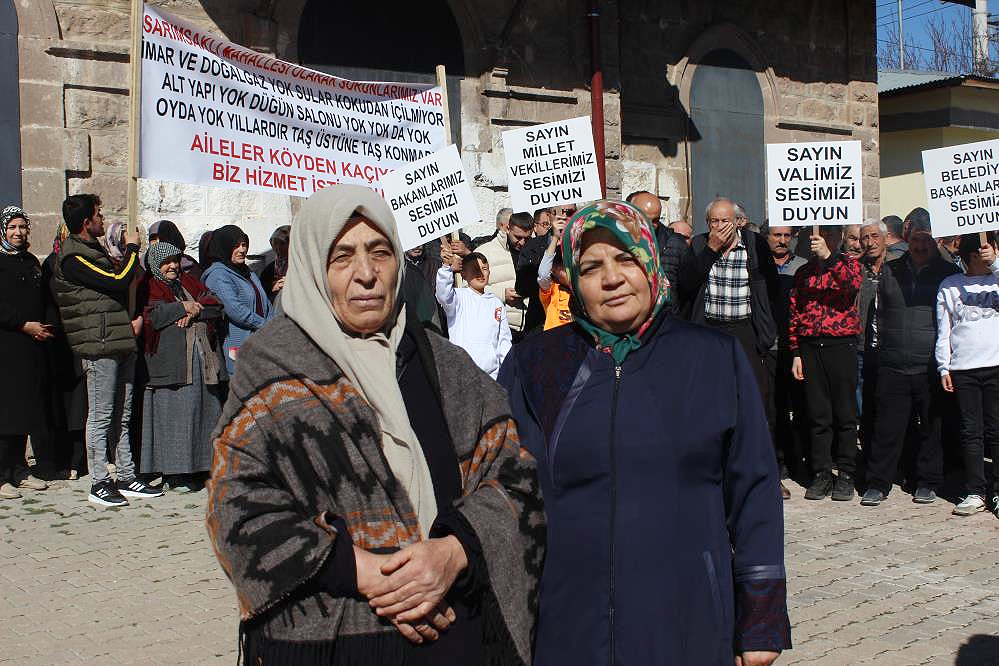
136 488
821 486
873 497
924 495
105 494
843 489
994 505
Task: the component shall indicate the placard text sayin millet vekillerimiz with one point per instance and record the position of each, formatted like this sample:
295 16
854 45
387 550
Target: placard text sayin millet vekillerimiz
216 113
552 164
814 183
962 188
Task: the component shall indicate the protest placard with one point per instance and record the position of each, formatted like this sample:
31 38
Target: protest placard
215 113
815 183
552 164
430 198
962 188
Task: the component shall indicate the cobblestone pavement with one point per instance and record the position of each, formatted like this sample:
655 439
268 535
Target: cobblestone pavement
901 584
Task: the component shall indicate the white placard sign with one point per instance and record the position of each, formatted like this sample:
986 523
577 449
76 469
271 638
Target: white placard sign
962 188
216 113
430 198
552 164
814 183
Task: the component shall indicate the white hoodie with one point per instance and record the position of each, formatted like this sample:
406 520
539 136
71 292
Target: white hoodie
475 322
968 322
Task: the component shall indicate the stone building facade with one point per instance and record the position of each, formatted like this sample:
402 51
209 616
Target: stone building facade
693 89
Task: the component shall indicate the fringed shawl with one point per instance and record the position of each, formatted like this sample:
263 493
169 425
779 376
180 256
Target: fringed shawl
297 446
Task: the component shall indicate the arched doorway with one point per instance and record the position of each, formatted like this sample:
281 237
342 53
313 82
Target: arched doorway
371 41
726 108
10 112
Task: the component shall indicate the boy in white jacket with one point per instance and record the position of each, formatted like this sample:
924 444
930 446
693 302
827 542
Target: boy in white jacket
476 319
967 354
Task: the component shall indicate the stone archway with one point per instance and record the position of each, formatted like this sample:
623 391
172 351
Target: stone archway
404 44
726 107
407 38
723 59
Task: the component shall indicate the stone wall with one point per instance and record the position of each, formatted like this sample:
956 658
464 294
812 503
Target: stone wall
74 67
814 60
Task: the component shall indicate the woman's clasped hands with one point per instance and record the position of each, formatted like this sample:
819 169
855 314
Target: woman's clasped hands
408 587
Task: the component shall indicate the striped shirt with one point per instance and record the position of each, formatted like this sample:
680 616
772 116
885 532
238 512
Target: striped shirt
726 297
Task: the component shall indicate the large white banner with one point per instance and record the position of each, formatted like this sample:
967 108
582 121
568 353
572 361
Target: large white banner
430 198
216 113
962 188
814 183
551 164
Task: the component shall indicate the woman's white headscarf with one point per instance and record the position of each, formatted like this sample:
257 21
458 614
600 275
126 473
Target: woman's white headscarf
369 362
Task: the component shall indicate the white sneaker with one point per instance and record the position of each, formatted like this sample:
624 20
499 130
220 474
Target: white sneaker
136 488
8 491
971 505
24 479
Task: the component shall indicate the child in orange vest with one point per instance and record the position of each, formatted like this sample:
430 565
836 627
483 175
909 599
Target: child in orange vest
553 283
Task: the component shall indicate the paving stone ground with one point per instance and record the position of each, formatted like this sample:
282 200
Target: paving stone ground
898 585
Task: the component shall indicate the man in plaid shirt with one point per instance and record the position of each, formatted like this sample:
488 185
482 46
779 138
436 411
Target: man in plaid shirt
727 280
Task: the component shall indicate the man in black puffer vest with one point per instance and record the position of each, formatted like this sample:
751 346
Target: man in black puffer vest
92 293
907 380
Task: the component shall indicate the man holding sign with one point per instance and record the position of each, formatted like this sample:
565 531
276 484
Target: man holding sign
824 323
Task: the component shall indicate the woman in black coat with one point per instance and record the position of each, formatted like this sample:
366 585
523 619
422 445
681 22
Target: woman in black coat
23 332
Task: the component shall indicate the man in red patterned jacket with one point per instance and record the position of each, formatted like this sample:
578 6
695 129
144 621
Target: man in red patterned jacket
823 329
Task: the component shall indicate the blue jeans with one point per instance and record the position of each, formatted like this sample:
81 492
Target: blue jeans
109 391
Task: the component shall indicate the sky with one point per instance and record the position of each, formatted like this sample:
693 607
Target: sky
915 15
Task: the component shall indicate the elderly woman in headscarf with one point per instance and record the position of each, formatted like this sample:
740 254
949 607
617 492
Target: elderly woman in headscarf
167 231
273 275
24 330
665 531
183 397
247 307
370 500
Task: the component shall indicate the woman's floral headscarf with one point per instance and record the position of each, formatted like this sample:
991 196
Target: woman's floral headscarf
634 231
61 234
113 241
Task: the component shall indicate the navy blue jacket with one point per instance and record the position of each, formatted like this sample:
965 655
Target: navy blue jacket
665 523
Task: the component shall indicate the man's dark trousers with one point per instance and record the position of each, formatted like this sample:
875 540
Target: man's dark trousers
978 399
830 367
900 396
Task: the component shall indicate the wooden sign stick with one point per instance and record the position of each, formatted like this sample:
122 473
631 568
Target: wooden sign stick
442 82
135 114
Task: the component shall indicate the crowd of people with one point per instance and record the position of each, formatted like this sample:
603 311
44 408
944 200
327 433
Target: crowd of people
873 345
842 357
121 354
